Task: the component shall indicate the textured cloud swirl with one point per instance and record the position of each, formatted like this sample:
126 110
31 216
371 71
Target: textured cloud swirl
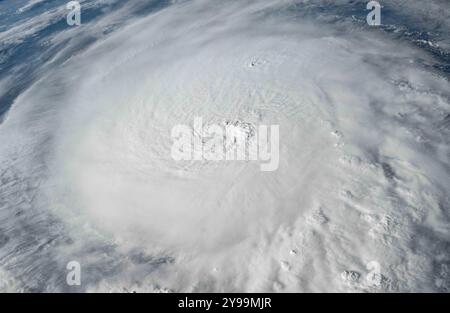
86 172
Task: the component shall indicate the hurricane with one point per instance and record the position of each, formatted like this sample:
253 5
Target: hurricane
359 200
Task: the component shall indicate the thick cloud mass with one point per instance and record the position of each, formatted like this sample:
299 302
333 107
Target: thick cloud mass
87 175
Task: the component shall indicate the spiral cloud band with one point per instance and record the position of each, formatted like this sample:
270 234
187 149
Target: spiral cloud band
359 197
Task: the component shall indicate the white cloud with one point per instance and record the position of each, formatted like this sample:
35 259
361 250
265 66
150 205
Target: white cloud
97 132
